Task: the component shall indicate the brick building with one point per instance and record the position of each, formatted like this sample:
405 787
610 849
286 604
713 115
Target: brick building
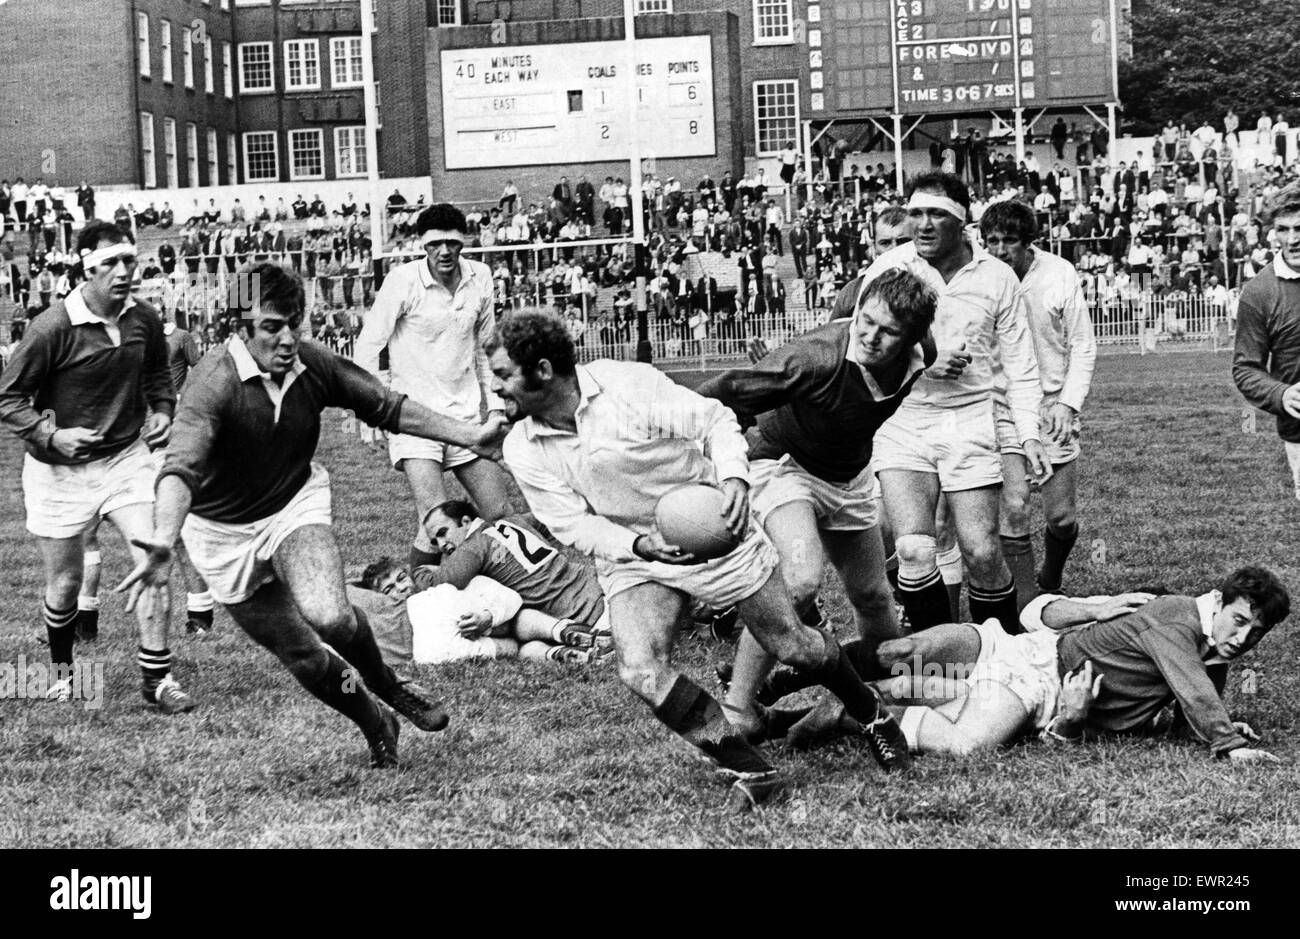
178 93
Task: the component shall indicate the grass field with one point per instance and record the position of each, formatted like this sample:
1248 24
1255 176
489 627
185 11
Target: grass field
1173 492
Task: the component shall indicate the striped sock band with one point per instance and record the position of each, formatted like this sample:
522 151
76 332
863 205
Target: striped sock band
154 665
61 637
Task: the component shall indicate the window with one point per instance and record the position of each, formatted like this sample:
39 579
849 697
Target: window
232 160
448 12
261 157
306 154
191 155
227 78
773 22
142 39
213 163
165 48
301 65
776 115
169 152
654 6
187 55
147 152
208 84
350 152
256 70
345 59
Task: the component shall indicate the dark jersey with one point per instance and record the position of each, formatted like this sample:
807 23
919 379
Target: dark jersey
511 552
812 402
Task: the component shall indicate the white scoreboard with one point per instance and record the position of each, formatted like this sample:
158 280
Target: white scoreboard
567 103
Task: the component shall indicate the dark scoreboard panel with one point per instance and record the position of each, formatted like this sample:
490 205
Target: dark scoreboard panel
940 56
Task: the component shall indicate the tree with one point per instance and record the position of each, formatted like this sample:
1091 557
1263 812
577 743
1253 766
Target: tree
1194 59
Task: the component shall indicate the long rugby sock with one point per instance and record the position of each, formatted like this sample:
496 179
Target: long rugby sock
363 654
335 682
155 664
999 604
58 626
198 606
952 572
1019 553
691 713
421 558
1057 545
837 675
87 617
925 600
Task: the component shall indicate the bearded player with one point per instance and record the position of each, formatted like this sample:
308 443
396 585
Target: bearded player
594 449
239 485
819 400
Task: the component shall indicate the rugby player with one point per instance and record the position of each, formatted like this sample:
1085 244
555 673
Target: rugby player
594 449
1266 361
1136 655
89 392
512 552
818 401
942 437
484 619
1066 350
433 315
240 487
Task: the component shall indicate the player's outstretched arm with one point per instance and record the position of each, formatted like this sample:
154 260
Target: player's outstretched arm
419 421
172 503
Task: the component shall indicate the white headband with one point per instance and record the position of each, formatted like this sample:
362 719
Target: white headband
439 234
930 200
107 254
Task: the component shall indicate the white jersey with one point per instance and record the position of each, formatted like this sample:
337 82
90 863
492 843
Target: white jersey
434 338
1061 328
982 306
434 612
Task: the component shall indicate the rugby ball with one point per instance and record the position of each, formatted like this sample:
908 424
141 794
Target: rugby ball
691 518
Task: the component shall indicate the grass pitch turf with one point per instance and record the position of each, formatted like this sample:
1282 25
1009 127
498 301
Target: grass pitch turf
1173 491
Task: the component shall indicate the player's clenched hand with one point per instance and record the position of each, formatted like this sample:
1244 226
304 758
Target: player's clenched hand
652 547
1291 400
1121 605
1079 690
950 363
736 509
74 442
157 430
152 573
491 434
1247 755
1060 419
1040 467
472 625
758 350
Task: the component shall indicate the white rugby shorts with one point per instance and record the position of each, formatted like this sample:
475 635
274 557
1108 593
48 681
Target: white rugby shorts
405 447
849 506
720 583
1025 664
959 445
66 501
235 559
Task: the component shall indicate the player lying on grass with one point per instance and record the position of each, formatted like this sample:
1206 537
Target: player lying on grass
512 552
1086 667
818 401
240 487
594 450
485 619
